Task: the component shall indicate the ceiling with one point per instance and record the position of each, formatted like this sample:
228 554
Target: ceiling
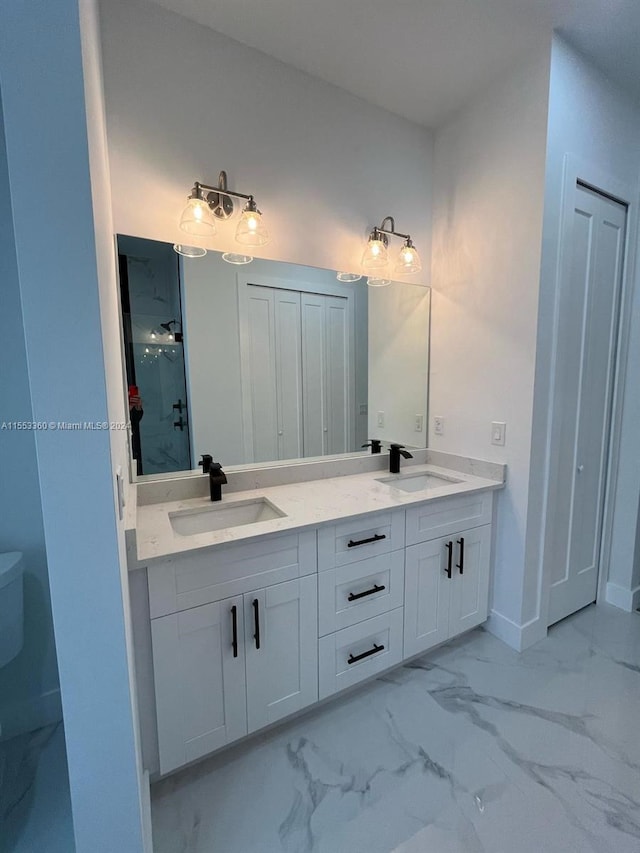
423 59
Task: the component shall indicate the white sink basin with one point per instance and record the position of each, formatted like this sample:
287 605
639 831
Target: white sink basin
189 522
418 482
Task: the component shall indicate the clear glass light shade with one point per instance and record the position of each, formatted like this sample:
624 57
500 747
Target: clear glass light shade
378 281
408 261
375 256
237 258
197 218
348 276
189 251
251 230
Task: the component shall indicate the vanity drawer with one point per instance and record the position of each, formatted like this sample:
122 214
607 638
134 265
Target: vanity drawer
353 593
201 577
358 652
359 538
444 516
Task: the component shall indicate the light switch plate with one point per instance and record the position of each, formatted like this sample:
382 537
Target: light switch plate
419 423
438 425
498 433
380 419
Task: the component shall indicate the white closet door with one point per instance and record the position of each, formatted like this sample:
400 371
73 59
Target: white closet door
337 371
272 374
588 299
313 370
260 407
288 328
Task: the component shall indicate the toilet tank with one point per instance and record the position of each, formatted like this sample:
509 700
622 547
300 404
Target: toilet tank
11 605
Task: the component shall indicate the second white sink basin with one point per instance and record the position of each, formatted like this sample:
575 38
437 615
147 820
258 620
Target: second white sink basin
189 522
418 482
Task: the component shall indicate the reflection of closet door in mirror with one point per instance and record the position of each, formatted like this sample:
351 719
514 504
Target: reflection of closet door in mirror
327 374
271 372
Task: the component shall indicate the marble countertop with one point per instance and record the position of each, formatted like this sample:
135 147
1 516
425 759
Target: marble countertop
306 504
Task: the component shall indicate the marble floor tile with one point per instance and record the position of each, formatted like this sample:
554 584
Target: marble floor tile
35 803
470 748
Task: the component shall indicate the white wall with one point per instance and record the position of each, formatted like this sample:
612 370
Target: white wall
399 318
488 206
29 688
184 102
212 335
598 127
58 270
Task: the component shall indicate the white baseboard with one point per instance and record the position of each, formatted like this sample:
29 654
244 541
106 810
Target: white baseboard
625 599
30 714
518 637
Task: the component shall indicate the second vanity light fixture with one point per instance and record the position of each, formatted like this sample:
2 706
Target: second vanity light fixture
206 204
375 259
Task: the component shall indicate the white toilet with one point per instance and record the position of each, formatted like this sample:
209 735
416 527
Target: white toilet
11 605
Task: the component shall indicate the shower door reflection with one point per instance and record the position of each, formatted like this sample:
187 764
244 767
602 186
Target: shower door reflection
154 354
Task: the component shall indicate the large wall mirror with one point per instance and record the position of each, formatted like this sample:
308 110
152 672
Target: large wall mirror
267 361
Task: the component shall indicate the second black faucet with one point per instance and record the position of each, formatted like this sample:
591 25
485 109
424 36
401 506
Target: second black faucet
395 452
217 477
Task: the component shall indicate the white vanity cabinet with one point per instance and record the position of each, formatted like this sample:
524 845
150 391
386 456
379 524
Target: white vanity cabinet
248 633
446 577
227 668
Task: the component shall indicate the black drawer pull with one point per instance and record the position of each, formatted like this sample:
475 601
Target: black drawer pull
234 625
449 547
460 565
354 596
376 538
256 622
374 651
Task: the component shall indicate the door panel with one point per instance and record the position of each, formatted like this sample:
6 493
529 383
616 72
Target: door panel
262 427
313 388
337 376
199 683
470 589
289 373
587 323
282 674
427 593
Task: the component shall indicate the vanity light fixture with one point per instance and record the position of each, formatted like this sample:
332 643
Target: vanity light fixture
206 204
189 251
348 277
375 257
237 258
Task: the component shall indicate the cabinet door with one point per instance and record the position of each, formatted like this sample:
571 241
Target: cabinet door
199 681
281 638
470 587
427 592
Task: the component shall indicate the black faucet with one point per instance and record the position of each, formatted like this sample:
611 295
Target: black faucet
375 444
217 477
395 452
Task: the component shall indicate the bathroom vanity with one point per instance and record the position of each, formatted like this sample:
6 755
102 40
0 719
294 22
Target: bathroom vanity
249 610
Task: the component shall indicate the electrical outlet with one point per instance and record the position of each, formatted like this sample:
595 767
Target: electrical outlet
498 433
438 425
381 419
419 423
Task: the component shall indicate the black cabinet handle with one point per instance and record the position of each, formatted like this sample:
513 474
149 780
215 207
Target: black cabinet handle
374 651
256 621
234 628
460 565
376 538
354 596
449 547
